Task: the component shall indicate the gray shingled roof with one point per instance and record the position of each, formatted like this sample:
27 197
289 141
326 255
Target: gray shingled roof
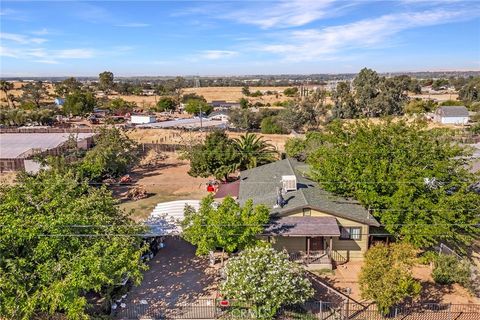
303 227
453 111
260 184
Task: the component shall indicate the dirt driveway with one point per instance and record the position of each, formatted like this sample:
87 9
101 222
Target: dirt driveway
175 277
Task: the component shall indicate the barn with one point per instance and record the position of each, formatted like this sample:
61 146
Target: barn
457 115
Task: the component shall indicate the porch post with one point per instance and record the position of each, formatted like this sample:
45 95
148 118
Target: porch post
330 248
308 246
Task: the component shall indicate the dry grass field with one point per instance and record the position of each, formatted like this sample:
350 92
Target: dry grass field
172 136
229 94
168 182
439 97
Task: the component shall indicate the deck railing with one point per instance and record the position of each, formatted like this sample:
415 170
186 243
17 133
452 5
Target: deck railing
312 257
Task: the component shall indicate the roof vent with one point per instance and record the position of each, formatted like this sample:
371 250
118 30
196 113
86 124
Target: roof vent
289 183
280 200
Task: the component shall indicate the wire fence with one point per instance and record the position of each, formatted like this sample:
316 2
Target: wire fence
311 310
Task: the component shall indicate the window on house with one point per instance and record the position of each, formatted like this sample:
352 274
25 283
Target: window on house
307 212
350 233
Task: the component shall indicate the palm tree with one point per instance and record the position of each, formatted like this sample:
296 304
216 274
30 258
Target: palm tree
254 151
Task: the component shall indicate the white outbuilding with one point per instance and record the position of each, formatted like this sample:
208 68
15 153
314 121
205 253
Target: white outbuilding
166 217
142 119
457 115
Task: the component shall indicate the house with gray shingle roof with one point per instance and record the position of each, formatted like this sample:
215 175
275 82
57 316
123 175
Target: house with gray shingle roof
306 220
457 115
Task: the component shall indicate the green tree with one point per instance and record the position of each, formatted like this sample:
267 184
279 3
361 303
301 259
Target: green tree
195 106
79 103
165 104
295 148
257 93
391 98
266 279
439 84
253 151
452 103
246 91
67 86
386 276
245 119
228 226
420 106
470 92
6 87
290 92
34 92
344 103
270 125
244 103
414 180
105 81
188 96
119 105
217 157
19 117
48 264
112 156
307 113
366 91
448 269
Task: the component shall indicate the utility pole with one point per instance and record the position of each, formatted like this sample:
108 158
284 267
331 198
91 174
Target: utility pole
200 107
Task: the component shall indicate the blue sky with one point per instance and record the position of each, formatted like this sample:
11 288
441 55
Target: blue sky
73 38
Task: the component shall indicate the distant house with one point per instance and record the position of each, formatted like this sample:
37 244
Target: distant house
59 102
148 92
457 115
221 115
222 104
314 226
142 119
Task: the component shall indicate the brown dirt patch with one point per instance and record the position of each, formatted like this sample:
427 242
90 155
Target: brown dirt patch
167 182
346 276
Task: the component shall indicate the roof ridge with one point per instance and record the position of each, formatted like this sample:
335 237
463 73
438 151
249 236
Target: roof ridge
303 196
290 165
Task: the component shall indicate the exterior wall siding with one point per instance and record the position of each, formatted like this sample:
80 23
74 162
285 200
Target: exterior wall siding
291 244
454 120
353 250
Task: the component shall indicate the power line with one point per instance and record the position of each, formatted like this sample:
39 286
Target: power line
176 223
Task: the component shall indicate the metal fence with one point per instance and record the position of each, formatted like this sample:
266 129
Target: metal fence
312 310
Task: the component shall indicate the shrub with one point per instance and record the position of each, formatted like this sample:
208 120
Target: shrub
165 104
269 125
265 278
428 257
386 276
449 270
290 92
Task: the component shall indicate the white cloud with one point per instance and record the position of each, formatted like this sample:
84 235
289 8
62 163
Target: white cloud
47 56
292 13
8 52
217 54
133 25
83 53
20 38
369 33
47 61
41 32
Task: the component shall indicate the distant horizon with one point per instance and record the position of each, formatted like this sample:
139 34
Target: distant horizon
235 38
236 75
